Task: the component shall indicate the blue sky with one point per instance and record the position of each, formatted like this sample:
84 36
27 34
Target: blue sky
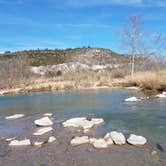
32 24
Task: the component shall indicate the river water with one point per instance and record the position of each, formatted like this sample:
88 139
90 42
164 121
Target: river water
147 117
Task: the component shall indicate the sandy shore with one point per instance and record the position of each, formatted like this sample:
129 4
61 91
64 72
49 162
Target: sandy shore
61 153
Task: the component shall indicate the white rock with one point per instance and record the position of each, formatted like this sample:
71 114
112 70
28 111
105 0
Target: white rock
79 140
86 131
136 140
132 99
47 114
20 143
10 139
79 122
163 95
97 121
43 122
51 139
118 138
133 88
16 116
108 139
86 124
74 122
38 143
92 140
99 143
43 130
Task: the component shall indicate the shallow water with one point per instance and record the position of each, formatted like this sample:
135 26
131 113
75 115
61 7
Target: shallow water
146 117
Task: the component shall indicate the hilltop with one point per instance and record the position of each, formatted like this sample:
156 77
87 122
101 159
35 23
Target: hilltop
85 55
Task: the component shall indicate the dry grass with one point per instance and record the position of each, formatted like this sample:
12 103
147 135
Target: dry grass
154 81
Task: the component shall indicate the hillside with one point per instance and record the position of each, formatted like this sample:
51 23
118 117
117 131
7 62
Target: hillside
98 56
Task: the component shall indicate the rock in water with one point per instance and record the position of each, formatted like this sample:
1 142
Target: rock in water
99 143
43 130
16 116
74 122
48 114
39 143
79 140
136 140
82 122
43 122
132 99
118 138
108 139
97 121
162 95
51 139
20 143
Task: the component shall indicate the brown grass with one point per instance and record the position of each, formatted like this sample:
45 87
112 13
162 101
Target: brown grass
154 81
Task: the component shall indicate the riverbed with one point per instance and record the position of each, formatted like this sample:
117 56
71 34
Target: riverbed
146 117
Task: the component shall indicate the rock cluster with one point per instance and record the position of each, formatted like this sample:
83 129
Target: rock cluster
111 138
83 122
44 123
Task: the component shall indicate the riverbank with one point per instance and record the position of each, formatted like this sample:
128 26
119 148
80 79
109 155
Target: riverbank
148 82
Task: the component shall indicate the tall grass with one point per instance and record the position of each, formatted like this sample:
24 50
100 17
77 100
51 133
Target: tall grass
153 81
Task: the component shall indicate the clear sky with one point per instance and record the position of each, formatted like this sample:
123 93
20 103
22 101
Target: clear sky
32 24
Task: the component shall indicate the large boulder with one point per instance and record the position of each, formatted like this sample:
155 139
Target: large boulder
20 142
79 140
118 138
43 122
43 130
132 99
16 116
82 122
136 140
99 143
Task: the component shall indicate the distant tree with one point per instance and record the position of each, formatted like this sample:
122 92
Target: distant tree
140 42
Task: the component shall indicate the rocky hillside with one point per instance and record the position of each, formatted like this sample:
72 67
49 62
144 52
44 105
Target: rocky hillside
97 56
53 62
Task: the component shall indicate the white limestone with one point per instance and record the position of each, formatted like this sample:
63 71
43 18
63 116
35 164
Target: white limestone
43 130
16 116
136 140
82 122
20 142
79 140
43 122
108 139
47 114
51 139
38 143
97 121
132 99
118 138
99 143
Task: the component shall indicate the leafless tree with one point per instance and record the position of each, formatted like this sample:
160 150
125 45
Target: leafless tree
13 71
138 41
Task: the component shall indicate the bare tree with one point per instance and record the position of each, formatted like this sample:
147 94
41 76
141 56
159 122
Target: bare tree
13 71
130 36
140 42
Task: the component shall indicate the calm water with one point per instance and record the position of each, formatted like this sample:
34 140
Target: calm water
147 117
